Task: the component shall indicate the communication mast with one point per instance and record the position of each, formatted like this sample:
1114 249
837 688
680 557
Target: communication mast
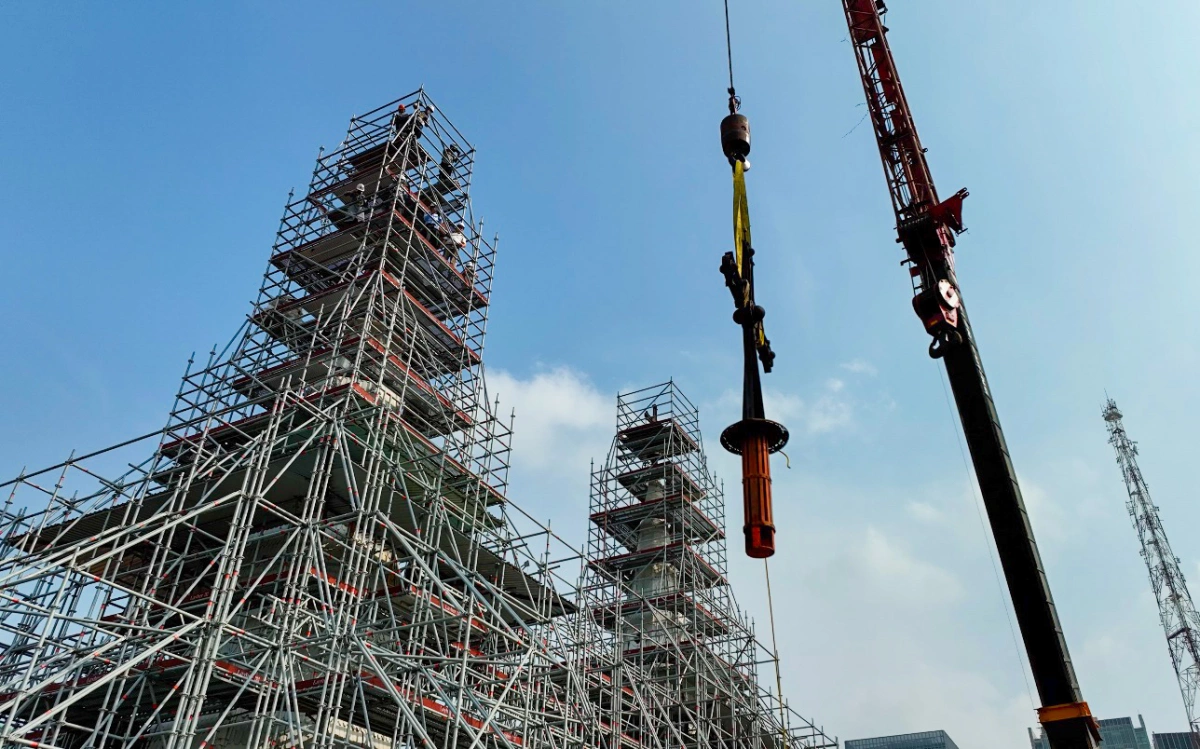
1175 608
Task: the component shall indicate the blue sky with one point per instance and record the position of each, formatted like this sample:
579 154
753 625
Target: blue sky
148 149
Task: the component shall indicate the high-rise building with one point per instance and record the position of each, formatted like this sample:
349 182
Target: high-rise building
1180 740
318 548
922 740
1115 733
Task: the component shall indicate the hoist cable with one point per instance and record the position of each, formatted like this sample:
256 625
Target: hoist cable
775 655
742 245
728 48
955 426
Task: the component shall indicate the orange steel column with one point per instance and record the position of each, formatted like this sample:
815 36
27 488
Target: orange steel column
756 497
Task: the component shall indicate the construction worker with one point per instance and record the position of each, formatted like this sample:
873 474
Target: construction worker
451 155
458 237
404 190
400 119
362 203
433 223
420 117
450 158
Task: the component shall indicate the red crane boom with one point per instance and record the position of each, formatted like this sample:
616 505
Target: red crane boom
927 226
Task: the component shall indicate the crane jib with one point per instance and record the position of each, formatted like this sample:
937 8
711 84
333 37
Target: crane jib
926 227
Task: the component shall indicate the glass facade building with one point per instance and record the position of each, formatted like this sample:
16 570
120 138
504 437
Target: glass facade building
1115 733
923 740
1181 740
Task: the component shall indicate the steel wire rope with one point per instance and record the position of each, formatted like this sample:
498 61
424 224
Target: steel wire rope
734 104
956 426
728 48
775 655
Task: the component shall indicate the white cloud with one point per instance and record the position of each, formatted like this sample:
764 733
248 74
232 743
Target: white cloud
782 407
879 636
860 366
891 566
562 420
832 411
934 695
924 512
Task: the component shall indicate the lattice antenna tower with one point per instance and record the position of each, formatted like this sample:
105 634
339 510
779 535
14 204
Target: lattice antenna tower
1180 622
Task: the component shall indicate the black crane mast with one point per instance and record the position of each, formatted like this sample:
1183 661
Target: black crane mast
926 227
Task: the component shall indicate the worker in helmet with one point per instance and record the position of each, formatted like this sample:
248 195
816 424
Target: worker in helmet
362 203
453 241
434 228
400 119
458 236
420 117
433 222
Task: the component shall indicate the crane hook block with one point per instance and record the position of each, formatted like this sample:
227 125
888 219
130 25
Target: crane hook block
755 440
735 137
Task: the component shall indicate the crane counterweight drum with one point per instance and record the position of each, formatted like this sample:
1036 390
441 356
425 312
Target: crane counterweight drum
735 137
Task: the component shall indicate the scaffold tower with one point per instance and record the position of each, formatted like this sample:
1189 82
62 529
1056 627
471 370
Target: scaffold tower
317 550
1180 622
656 585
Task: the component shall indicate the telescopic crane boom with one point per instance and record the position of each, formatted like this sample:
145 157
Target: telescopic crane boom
926 227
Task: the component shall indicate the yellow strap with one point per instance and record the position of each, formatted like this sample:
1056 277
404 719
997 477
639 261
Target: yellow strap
741 212
741 235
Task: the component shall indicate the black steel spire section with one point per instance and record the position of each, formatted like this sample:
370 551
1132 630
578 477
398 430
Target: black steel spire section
927 227
755 437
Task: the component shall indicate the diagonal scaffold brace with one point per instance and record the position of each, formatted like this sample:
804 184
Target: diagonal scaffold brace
754 437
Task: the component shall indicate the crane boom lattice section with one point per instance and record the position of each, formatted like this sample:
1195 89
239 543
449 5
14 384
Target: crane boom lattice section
909 181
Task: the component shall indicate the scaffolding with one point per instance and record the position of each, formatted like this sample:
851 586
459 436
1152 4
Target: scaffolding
656 585
319 550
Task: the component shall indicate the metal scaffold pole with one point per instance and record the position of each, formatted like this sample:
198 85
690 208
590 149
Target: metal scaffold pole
319 549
